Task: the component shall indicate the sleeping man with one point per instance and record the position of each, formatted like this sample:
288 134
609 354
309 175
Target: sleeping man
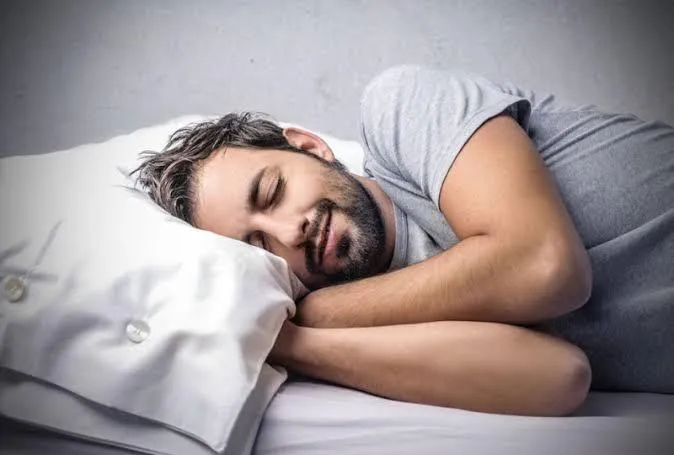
503 254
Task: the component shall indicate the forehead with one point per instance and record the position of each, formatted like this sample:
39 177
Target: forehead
221 185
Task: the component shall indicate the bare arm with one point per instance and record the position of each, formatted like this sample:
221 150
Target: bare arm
519 258
470 365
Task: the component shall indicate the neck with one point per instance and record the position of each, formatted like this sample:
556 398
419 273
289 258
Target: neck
386 208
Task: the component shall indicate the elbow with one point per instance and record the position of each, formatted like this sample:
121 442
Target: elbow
574 384
566 276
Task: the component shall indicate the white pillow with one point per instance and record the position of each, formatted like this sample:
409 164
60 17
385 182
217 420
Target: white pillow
135 328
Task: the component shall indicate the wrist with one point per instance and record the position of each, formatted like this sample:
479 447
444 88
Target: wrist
319 309
291 345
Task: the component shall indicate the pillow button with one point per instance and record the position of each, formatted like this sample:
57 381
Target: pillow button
137 331
14 288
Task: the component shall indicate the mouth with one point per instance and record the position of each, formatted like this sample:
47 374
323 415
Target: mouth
323 239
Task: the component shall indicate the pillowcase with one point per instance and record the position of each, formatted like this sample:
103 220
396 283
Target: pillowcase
122 324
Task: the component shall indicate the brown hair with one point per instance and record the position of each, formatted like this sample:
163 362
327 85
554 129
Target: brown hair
169 175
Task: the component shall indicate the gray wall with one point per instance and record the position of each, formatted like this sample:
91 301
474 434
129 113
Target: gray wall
78 71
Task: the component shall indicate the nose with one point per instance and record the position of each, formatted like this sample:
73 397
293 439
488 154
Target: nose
291 231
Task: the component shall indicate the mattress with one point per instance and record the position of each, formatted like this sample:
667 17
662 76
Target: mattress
312 418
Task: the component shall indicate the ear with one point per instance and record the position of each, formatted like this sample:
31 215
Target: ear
309 142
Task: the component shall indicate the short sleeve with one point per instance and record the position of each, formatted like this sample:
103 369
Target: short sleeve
416 120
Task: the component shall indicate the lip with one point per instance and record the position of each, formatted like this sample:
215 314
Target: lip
330 244
321 244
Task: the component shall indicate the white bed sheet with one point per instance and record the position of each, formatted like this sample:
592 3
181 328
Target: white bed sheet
310 418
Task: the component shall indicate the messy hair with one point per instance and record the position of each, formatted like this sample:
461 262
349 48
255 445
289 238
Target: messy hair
169 175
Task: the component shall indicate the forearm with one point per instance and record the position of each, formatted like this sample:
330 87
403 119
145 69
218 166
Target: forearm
482 278
470 365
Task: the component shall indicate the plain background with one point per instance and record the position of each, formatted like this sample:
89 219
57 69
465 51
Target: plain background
79 71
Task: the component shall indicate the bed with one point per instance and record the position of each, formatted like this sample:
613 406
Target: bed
312 418
306 417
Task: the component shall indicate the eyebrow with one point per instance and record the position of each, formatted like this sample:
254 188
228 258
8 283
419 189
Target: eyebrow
254 189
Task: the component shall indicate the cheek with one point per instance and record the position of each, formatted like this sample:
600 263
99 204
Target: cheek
308 190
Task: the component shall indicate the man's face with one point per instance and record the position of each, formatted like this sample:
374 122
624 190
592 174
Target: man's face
317 217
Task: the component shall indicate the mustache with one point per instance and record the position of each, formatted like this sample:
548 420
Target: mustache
322 209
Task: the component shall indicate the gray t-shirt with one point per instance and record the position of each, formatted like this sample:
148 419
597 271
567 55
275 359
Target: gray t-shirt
614 172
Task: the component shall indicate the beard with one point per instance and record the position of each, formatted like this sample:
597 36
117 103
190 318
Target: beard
361 248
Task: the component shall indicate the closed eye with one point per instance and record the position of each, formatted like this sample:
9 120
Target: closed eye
277 194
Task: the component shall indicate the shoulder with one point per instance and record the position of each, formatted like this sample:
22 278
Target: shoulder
408 95
415 120
413 105
391 79
415 79
394 84
399 99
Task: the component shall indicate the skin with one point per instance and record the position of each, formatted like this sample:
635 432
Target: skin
442 331
294 227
